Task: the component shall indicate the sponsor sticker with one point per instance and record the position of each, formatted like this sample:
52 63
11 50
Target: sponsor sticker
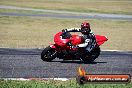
82 77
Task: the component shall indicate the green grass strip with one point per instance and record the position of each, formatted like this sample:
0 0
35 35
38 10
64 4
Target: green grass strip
57 84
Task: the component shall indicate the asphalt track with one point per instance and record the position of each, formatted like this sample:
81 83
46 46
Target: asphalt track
63 14
26 63
67 16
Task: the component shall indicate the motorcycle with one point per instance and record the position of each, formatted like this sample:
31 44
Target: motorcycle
63 49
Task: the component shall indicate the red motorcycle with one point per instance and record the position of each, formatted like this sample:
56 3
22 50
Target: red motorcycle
63 49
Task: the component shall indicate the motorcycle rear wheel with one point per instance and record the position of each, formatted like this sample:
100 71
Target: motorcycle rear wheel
48 54
95 54
92 55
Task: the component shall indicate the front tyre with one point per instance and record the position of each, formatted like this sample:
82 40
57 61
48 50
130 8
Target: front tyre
48 54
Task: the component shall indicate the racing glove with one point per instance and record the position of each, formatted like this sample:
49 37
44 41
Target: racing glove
64 30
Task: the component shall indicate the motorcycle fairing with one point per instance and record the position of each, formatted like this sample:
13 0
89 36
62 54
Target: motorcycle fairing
58 39
52 46
100 39
75 39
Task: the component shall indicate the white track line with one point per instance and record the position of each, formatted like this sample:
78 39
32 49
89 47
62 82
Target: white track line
28 79
112 50
115 51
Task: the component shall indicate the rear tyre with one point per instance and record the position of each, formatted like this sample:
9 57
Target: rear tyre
48 54
90 57
95 53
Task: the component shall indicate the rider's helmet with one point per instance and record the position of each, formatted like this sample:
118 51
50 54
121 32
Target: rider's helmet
85 28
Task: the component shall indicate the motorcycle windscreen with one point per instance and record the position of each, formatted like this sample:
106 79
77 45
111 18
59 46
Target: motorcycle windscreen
100 39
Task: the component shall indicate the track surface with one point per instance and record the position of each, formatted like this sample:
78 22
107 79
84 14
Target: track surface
17 63
63 14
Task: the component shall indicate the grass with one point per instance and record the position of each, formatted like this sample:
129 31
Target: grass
103 6
56 84
30 32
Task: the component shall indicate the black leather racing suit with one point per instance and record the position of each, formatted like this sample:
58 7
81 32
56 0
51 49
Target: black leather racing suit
88 40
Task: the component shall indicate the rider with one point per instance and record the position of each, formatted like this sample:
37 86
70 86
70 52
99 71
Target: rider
88 37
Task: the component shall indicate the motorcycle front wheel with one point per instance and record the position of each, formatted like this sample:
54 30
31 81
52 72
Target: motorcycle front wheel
48 54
